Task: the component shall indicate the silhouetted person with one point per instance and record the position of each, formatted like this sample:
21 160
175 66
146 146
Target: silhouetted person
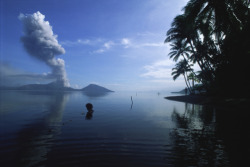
89 114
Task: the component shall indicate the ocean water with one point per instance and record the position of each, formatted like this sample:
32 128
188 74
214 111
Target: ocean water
125 129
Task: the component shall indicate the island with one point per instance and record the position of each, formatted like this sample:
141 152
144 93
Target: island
54 86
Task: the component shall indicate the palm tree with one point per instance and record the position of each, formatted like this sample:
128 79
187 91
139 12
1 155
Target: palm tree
183 30
210 33
179 48
215 20
181 68
184 39
193 78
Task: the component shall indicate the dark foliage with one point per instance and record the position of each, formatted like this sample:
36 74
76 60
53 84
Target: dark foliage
215 35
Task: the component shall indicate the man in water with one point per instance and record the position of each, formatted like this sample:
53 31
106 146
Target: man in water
89 114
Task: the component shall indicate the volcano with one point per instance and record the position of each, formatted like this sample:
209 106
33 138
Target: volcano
92 88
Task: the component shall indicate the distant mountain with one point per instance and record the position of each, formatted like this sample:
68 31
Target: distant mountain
92 88
53 86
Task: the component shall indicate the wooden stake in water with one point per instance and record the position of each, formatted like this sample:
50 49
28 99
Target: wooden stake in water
131 103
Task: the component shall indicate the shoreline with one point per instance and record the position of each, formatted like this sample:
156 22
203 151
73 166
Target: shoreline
213 101
194 99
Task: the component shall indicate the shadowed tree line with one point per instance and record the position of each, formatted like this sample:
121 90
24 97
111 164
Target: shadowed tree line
214 35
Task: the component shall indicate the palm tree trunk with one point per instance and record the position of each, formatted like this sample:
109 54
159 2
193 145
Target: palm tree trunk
202 62
189 83
186 83
189 65
198 61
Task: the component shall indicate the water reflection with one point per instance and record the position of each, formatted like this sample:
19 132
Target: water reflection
35 139
35 135
195 140
96 94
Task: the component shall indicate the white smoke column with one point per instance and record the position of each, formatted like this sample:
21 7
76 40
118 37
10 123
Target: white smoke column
40 42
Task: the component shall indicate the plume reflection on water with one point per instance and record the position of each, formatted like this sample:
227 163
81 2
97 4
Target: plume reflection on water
50 129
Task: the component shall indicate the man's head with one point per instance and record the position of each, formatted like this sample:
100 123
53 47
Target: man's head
89 106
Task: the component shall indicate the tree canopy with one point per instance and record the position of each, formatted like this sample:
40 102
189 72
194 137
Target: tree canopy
215 35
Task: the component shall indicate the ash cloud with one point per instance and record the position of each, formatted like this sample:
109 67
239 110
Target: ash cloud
41 43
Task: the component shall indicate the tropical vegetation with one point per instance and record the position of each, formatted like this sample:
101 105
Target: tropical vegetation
215 35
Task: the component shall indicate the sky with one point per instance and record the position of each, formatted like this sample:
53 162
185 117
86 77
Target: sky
118 44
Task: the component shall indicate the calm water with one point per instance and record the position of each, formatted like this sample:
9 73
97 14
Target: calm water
46 129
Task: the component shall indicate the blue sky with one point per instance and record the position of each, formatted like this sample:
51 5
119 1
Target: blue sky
118 44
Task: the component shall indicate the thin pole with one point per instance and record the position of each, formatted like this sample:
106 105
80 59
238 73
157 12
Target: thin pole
131 103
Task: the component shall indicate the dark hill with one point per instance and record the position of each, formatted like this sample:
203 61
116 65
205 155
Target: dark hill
53 86
92 88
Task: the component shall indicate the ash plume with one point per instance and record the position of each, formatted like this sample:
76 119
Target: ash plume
40 42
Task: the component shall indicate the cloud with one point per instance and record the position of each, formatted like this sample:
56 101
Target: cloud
141 43
76 86
99 51
159 70
77 42
41 43
108 44
156 44
111 43
105 47
158 73
125 42
101 45
149 34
